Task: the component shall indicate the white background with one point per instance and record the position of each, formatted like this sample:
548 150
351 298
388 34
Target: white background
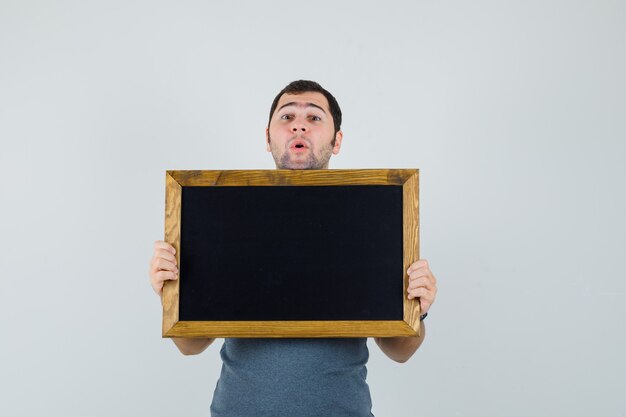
513 111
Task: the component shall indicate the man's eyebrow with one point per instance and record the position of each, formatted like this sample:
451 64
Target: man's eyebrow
293 103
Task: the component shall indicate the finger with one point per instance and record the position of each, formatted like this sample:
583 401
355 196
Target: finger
160 264
421 270
159 280
165 254
159 244
420 282
419 273
417 292
158 288
416 265
432 282
425 304
426 298
163 276
423 282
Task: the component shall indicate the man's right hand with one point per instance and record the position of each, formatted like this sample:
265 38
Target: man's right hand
162 266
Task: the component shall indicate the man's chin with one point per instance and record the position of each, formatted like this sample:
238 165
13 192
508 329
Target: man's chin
287 163
293 167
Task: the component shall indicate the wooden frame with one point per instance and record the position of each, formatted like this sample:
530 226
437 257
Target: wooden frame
407 178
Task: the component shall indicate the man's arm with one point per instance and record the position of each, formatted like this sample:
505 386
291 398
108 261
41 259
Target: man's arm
163 268
400 349
422 285
191 346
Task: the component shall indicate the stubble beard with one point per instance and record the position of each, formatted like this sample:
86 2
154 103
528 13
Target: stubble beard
285 161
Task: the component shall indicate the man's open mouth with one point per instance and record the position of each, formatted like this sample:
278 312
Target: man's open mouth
299 144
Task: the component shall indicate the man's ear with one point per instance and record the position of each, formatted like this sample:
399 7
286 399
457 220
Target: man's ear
267 139
338 139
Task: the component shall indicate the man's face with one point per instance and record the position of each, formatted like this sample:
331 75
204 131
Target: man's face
301 132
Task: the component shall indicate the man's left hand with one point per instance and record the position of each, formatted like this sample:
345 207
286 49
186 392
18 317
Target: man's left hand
422 284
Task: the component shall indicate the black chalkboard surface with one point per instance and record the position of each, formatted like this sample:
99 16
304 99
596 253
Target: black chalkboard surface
290 253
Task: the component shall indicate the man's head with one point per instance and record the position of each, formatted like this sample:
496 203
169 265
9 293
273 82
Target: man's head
304 127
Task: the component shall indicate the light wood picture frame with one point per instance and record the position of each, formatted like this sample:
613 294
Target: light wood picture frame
407 325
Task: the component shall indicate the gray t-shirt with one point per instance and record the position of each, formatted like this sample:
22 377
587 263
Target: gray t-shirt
293 377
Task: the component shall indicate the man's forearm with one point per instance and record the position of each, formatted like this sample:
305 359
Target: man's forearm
191 346
400 349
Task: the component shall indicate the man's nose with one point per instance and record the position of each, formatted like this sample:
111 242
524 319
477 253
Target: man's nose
298 127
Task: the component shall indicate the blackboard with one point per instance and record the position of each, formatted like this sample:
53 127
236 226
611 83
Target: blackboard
291 253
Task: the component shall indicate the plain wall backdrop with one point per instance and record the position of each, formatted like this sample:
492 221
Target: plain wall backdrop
514 111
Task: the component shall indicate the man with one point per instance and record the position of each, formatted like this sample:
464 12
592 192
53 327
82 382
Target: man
298 377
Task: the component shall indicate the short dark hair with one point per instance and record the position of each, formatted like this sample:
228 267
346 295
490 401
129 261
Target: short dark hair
305 86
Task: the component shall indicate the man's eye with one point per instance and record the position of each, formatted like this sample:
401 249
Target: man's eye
316 118
285 116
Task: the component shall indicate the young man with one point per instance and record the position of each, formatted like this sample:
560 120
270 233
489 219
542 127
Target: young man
298 377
